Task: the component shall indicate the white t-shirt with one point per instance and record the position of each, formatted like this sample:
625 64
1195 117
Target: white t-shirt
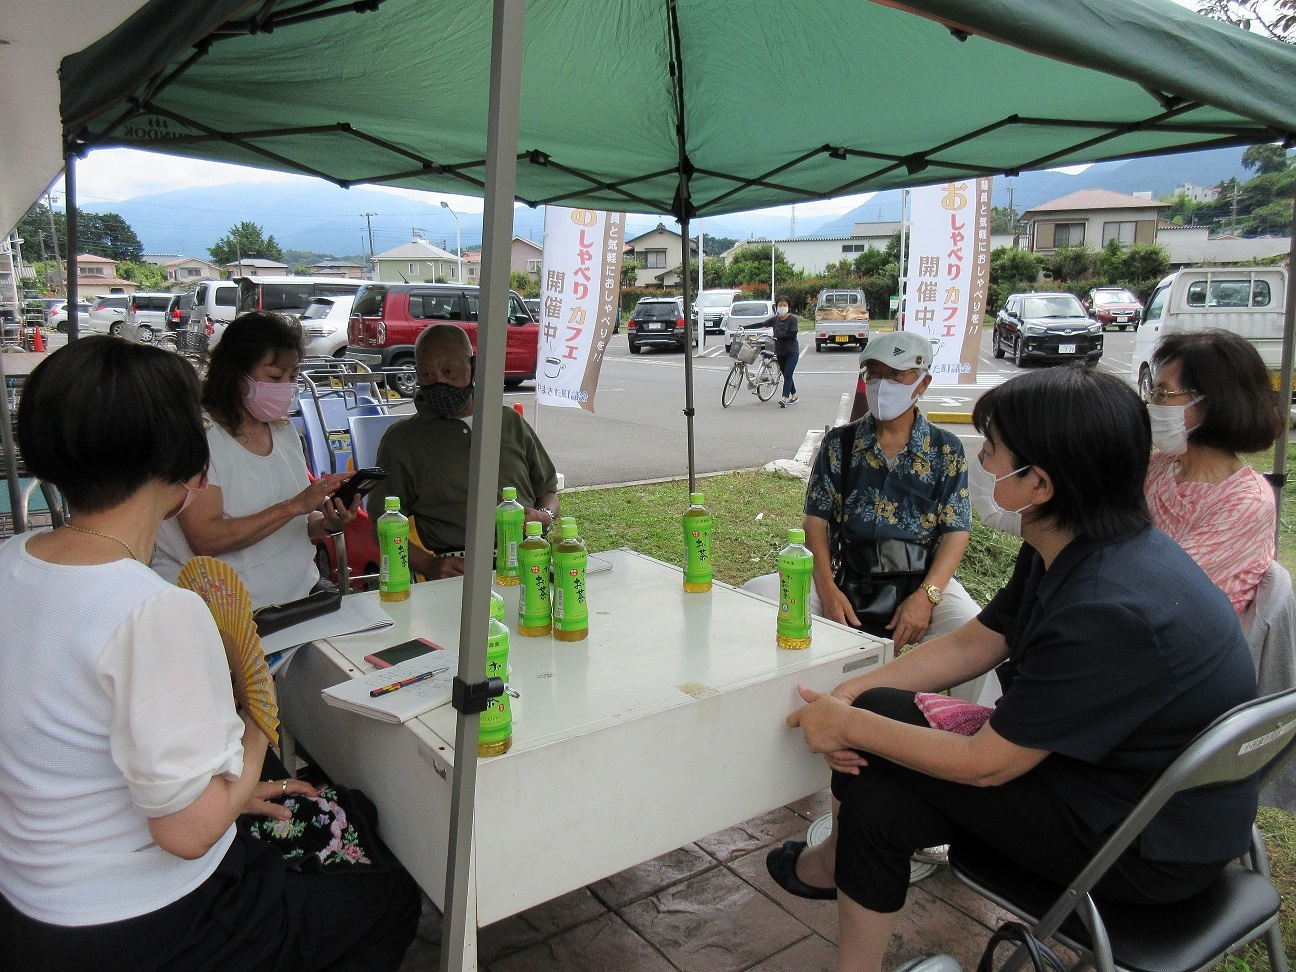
279 568
115 706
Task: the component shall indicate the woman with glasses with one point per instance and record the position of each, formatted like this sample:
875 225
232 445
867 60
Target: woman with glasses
1211 400
261 514
1114 650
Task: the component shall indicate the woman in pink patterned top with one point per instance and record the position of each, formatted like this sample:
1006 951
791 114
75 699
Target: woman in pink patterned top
1211 399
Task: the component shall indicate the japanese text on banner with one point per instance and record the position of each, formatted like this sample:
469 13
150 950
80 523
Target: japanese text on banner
949 274
580 287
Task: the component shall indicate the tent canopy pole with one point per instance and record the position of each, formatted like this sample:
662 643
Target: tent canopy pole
483 476
71 282
683 209
1278 478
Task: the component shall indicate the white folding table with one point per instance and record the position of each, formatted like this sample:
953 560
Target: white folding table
665 725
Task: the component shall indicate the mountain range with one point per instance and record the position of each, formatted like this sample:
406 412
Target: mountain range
323 218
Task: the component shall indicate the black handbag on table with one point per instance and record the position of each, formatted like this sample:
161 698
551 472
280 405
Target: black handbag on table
876 575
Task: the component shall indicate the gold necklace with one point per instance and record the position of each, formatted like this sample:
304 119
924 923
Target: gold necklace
106 536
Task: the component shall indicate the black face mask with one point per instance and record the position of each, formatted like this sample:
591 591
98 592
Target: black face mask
445 399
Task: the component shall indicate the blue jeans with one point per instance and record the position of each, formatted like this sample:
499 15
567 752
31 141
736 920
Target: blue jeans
787 364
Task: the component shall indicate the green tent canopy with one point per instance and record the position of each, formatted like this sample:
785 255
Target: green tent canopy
775 103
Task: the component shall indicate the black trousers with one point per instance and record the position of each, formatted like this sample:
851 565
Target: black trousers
252 914
888 812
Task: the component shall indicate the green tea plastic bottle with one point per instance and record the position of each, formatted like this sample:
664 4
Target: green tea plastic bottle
697 546
509 517
796 570
535 617
570 609
393 551
495 726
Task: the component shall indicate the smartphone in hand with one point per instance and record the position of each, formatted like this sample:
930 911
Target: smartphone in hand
358 485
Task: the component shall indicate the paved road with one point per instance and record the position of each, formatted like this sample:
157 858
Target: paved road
638 431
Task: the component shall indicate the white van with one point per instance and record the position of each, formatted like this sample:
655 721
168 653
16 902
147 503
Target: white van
1247 301
215 304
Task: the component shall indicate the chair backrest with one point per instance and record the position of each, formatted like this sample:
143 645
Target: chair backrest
1270 626
1257 737
366 432
319 456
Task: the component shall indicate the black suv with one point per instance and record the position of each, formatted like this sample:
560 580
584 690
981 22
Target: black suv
656 322
1046 325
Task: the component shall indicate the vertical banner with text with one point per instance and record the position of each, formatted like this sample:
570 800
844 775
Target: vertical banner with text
949 274
580 288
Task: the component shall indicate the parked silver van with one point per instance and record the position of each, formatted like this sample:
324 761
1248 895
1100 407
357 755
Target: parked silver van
215 304
1247 301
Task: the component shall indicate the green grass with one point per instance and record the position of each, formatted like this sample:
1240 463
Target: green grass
753 512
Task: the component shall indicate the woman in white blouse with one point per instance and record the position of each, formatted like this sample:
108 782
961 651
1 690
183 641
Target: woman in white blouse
261 514
123 761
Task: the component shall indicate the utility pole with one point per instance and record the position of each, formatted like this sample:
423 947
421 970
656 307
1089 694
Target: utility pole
792 234
49 211
369 223
1012 216
1233 218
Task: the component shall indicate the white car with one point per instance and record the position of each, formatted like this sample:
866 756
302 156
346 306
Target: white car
107 315
324 325
744 317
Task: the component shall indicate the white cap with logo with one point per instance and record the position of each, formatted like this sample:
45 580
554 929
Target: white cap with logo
900 350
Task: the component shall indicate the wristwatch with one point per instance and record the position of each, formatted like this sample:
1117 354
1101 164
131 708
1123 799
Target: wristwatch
934 593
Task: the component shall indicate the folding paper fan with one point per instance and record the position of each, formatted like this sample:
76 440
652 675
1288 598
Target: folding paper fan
217 583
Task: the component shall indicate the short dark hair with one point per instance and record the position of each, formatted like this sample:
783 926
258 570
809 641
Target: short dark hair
1089 431
1241 410
246 341
782 299
101 417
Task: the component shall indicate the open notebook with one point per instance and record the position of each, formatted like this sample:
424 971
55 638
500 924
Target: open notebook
404 703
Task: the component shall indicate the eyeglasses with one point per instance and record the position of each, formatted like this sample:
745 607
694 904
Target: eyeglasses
879 372
1160 396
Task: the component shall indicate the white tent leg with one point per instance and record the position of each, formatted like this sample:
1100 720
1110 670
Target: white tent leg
1285 383
459 935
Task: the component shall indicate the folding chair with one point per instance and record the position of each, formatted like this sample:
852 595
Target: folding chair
1187 936
366 432
1269 624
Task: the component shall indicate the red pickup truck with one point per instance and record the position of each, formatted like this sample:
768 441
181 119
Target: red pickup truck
387 318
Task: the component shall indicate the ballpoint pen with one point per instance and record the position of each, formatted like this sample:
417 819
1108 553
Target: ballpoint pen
384 689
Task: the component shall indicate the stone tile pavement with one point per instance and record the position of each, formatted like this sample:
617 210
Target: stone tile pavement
711 907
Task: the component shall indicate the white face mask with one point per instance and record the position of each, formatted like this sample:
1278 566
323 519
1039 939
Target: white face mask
1169 427
888 399
981 488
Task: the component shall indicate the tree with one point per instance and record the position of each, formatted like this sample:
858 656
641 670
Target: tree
713 246
629 272
751 265
871 263
1271 219
1111 261
1071 263
1145 261
519 280
103 234
244 241
1017 268
148 275
1273 18
1266 158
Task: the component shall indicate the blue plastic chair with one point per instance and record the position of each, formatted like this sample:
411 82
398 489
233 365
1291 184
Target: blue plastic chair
366 432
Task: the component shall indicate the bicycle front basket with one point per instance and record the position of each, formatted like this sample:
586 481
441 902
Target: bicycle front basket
746 350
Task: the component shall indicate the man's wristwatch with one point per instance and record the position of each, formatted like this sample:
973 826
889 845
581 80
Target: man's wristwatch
934 593
550 513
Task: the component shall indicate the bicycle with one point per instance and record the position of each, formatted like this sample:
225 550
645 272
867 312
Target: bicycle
763 379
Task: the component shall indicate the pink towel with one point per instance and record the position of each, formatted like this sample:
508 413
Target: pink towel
952 715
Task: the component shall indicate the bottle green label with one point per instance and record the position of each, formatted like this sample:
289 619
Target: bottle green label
795 573
509 520
496 722
393 549
697 549
570 612
533 605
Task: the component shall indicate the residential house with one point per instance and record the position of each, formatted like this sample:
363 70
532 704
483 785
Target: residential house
184 270
1090 218
660 255
472 267
336 268
415 262
97 276
254 267
1196 193
526 256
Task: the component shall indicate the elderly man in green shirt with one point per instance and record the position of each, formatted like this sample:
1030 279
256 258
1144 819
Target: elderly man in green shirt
426 456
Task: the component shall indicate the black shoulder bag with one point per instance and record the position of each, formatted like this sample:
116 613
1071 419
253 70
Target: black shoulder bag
876 575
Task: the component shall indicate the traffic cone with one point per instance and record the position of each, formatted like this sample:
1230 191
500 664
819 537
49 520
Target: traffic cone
38 342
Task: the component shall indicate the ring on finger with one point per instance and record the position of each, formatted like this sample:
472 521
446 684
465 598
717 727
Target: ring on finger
283 786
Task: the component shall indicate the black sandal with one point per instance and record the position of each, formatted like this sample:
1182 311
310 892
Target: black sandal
781 864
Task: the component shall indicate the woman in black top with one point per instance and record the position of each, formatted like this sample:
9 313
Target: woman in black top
1113 648
786 347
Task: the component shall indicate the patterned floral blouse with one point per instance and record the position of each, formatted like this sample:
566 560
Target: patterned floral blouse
1228 527
924 494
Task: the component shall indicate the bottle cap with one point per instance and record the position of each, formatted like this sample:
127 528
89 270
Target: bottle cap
392 503
695 499
510 492
566 519
796 535
569 530
497 607
534 529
